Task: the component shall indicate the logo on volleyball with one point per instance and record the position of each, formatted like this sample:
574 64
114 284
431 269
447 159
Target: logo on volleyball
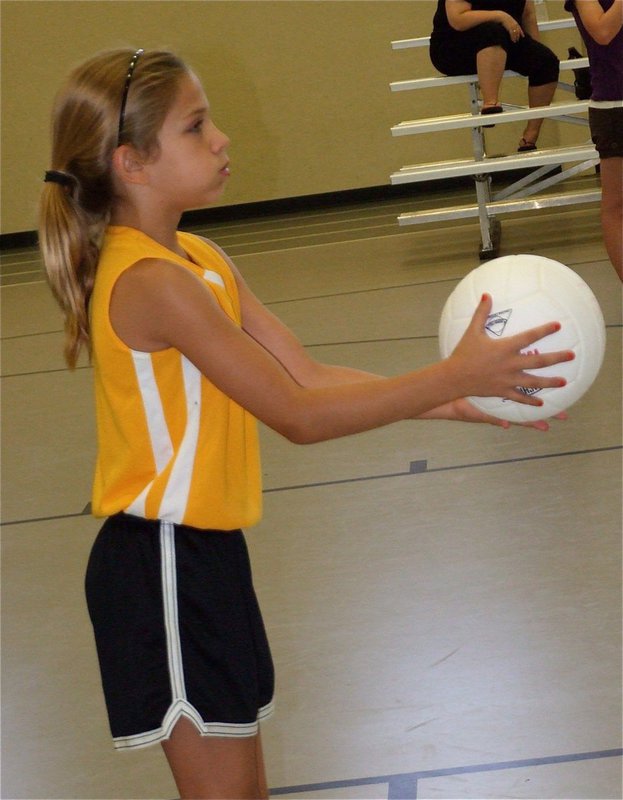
496 323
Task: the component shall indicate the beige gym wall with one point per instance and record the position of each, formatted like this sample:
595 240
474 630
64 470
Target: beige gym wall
300 86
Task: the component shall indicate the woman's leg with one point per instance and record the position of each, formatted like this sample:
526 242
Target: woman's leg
480 49
206 767
490 66
611 173
538 96
533 59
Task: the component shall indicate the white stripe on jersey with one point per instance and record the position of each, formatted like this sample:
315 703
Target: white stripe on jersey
175 499
161 445
213 277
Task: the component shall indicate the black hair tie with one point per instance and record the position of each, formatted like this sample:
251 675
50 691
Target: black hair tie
54 176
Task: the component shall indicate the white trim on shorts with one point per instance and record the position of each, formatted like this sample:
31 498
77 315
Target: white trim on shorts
180 707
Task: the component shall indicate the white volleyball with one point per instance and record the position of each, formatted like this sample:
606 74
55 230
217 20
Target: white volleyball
528 290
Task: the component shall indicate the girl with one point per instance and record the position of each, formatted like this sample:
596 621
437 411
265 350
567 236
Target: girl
185 359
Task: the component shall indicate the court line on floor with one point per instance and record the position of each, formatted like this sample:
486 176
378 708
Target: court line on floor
387 340
403 786
419 467
316 345
368 290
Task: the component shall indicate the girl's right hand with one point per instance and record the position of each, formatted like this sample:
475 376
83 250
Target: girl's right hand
487 367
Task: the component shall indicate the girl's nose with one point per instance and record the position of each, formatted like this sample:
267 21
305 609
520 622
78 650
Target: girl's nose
221 140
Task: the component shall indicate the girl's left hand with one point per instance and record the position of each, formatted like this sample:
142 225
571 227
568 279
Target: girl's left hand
463 411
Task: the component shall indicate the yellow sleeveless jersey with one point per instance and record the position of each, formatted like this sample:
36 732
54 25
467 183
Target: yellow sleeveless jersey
171 445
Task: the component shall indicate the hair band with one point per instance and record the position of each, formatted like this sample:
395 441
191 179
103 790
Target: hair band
126 89
62 178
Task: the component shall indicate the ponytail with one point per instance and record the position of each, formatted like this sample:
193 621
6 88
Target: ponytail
70 241
95 113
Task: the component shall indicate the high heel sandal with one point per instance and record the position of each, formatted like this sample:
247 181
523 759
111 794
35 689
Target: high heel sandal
526 146
491 110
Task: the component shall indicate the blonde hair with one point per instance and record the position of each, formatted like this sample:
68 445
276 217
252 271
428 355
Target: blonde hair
85 129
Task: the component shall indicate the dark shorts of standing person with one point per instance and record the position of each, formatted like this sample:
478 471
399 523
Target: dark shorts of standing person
178 631
607 131
455 53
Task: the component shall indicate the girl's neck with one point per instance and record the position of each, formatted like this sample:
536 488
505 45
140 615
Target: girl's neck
162 231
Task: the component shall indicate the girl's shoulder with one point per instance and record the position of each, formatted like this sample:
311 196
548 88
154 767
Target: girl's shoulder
201 246
210 257
124 248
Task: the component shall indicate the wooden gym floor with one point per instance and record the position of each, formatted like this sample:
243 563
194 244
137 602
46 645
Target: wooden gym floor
443 600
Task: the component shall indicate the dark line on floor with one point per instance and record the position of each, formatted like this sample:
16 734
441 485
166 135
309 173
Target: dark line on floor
526 458
28 335
336 482
373 341
45 372
307 347
404 786
43 519
364 291
419 467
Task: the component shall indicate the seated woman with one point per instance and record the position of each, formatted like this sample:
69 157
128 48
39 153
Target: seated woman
487 37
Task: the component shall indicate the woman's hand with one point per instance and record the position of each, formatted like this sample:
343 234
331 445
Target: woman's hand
513 28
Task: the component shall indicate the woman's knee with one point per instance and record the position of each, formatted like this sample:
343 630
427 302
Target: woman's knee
491 34
494 31
457 55
545 69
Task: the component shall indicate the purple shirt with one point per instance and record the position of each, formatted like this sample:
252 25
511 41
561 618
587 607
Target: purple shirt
606 60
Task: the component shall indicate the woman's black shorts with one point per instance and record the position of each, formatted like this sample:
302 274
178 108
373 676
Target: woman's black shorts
607 131
178 631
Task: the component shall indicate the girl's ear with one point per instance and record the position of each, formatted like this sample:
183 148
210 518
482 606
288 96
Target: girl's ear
128 165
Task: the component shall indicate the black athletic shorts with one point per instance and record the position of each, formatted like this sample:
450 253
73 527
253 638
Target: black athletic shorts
178 631
607 131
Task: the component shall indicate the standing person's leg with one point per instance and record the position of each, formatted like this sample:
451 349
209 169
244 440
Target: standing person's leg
224 669
207 767
607 133
611 173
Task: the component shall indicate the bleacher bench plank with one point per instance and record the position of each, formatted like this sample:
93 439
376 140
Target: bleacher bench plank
465 167
456 121
448 80
502 207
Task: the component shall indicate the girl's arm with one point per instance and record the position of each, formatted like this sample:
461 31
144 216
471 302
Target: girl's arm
267 329
158 304
462 18
260 323
602 25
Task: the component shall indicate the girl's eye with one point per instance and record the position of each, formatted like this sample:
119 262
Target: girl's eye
196 128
